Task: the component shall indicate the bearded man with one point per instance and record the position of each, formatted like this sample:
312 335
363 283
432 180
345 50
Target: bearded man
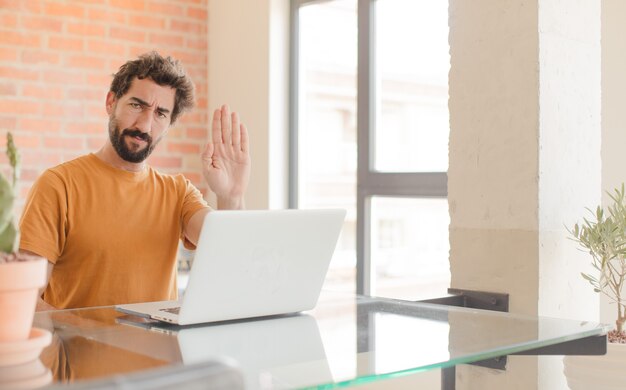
108 223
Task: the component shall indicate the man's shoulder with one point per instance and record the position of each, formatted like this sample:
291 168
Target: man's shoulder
82 163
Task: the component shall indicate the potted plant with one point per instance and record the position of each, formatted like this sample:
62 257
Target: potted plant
21 275
604 238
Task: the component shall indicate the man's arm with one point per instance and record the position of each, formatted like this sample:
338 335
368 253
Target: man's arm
41 304
192 230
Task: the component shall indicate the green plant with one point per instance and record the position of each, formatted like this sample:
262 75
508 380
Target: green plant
9 234
604 237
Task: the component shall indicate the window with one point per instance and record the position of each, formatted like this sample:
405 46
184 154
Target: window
370 135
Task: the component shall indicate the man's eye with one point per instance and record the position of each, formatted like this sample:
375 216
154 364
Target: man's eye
135 106
162 115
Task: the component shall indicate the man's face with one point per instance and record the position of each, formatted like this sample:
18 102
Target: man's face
139 119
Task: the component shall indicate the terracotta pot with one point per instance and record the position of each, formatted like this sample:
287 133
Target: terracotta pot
20 282
605 372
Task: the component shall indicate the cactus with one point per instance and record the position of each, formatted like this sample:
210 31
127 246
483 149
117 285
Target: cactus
9 234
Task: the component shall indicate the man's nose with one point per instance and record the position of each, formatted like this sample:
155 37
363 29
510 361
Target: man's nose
144 121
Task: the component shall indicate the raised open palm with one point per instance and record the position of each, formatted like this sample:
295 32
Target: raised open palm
226 157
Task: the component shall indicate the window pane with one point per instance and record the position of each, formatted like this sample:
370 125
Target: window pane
412 64
410 247
327 123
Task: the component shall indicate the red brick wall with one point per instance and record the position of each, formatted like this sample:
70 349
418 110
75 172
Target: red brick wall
56 61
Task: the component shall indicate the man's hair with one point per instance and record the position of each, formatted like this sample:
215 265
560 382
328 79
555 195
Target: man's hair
164 71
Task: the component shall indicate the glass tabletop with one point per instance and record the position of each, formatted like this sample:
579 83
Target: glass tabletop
346 340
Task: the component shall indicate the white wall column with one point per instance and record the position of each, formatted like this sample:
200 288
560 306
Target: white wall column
248 69
613 114
524 161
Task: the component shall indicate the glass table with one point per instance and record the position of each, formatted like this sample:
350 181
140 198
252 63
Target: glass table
347 340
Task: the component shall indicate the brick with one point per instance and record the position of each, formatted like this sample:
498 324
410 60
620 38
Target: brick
197 133
84 61
197 13
8 122
95 143
197 44
73 143
10 5
40 57
32 7
183 147
169 9
24 190
196 73
72 155
62 76
62 110
101 46
135 5
8 89
26 141
98 79
188 26
86 128
96 110
18 107
187 58
8 20
66 44
48 125
127 34
83 29
86 94
202 103
107 16
135 51
40 23
40 158
167 39
29 174
18 73
22 39
145 21
9 54
64 9
43 92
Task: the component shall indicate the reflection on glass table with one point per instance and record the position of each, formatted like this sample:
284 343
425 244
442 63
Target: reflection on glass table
346 340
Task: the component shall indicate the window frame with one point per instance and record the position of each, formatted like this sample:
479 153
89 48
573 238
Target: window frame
370 182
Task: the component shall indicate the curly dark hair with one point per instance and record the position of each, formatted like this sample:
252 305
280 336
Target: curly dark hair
163 71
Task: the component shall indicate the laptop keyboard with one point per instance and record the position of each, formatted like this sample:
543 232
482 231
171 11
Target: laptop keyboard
173 310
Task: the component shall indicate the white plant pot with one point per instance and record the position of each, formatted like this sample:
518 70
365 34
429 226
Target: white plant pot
604 372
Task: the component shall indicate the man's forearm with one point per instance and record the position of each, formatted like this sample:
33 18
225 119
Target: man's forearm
43 305
236 203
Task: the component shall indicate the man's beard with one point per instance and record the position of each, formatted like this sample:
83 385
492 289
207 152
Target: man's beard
117 140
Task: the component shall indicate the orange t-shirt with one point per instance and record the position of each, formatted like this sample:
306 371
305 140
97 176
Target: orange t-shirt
111 234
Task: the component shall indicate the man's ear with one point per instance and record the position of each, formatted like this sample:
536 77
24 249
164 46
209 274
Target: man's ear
110 102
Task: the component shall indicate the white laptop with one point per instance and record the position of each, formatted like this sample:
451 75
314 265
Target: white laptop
253 263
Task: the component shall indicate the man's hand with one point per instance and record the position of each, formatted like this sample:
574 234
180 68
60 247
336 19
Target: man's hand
226 159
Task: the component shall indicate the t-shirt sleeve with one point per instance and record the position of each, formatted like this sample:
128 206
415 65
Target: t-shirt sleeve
193 201
43 225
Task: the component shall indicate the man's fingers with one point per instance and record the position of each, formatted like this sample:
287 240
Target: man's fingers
236 132
226 126
244 137
207 154
216 127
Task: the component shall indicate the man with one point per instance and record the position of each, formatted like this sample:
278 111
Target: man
108 223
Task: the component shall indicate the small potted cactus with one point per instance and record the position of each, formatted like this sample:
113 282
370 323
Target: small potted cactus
21 275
